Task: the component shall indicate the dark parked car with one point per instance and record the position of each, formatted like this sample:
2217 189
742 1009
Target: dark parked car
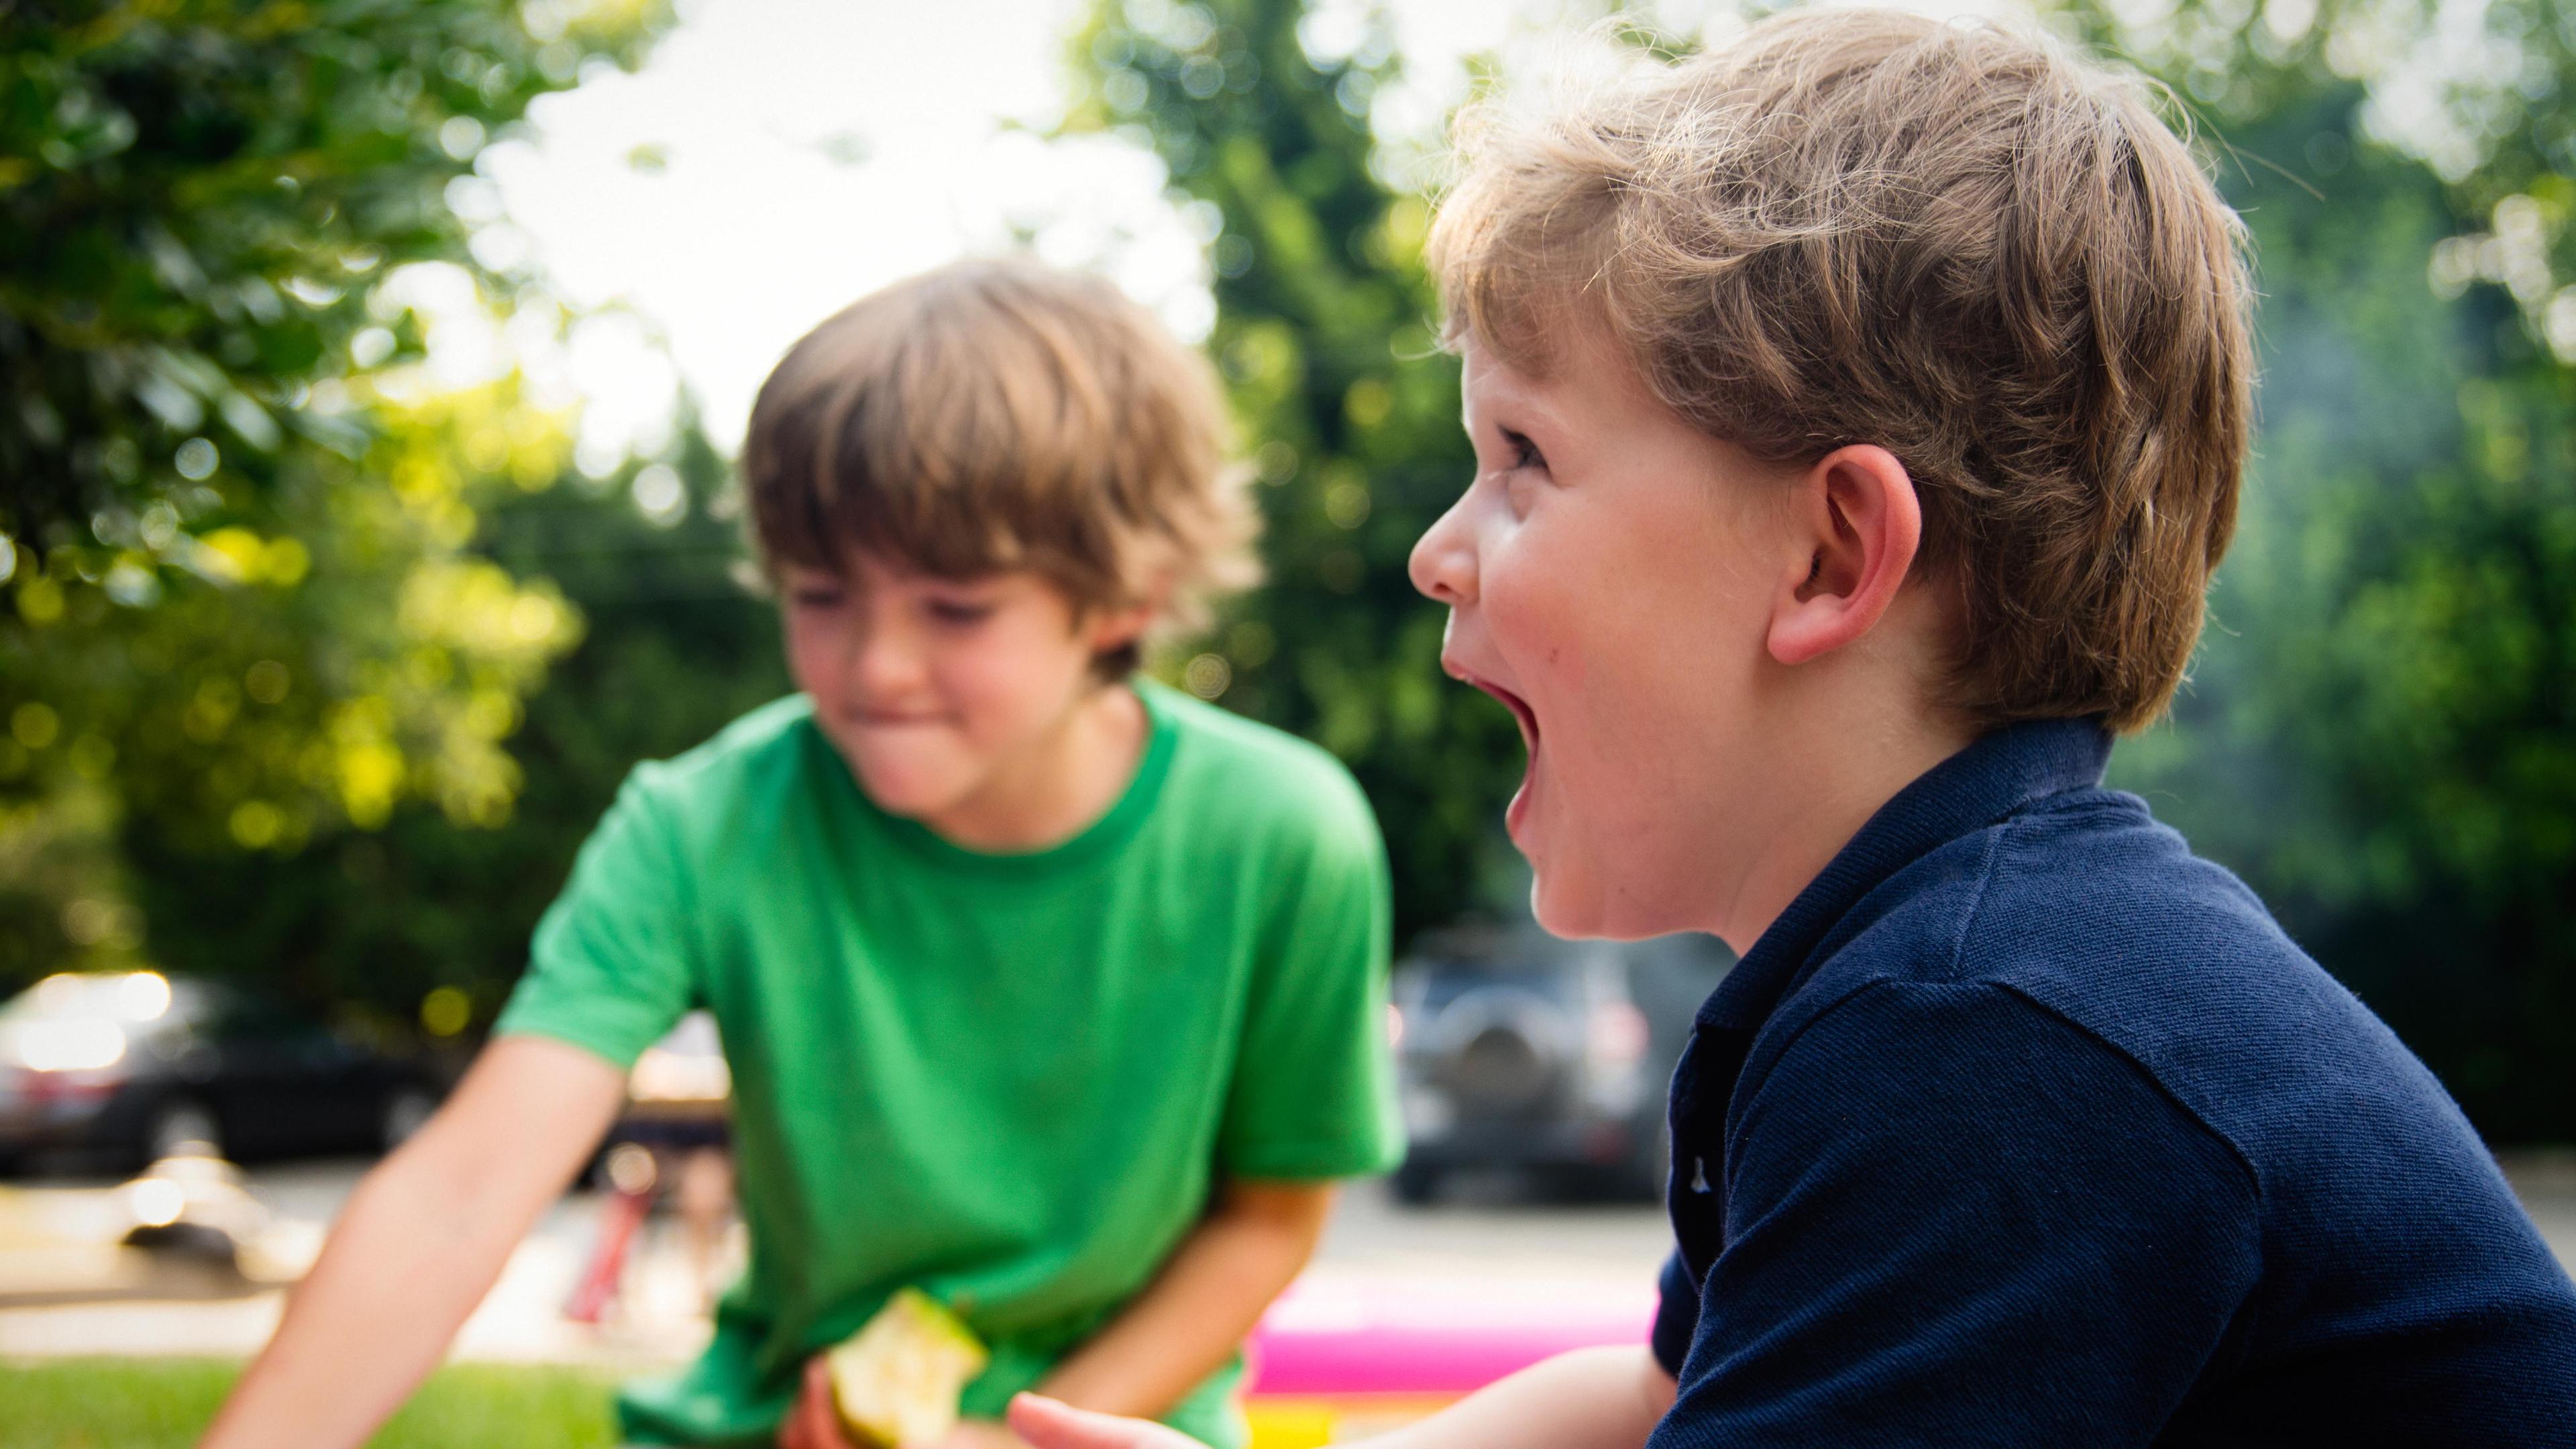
1518 1050
134 1065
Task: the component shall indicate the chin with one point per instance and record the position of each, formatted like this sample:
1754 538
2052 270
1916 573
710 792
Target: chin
1564 909
1581 909
910 799
911 794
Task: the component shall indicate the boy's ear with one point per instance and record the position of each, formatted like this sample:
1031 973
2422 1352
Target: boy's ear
1109 629
1860 524
1106 630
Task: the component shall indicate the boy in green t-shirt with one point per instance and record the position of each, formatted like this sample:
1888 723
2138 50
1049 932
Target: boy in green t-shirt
1046 990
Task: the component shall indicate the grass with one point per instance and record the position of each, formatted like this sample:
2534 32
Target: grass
103 1403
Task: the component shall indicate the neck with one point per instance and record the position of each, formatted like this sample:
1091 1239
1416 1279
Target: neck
1060 786
1860 767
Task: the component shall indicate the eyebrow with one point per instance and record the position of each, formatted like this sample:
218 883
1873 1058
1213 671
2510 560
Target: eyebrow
1530 415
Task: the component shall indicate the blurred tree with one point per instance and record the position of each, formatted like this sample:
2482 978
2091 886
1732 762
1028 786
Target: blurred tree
376 919
197 200
234 528
1324 335
2382 731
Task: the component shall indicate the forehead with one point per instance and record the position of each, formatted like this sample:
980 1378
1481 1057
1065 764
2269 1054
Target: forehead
1586 380
880 570
1486 377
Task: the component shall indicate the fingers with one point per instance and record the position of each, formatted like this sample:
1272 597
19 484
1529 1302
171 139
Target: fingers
791 1430
813 1423
1047 1424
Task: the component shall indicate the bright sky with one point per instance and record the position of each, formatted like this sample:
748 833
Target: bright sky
796 154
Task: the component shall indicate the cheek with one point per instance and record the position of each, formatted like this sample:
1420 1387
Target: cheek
1639 630
812 652
1010 677
1540 604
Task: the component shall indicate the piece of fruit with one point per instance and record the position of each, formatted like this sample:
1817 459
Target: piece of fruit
896 1381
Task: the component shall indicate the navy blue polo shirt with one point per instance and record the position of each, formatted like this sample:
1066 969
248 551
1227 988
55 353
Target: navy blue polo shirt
2023 1126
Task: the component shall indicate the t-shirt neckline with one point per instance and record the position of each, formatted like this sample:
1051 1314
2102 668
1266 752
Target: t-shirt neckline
1113 828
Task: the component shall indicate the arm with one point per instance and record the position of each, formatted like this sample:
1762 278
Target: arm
419 1244
1183 1327
1203 1303
1592 1398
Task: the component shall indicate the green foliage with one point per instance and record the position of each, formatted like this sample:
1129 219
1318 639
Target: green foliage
1324 336
234 530
373 920
196 198
355 656
2382 731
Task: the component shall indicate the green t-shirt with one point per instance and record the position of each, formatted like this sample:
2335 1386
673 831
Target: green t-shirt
1009 1080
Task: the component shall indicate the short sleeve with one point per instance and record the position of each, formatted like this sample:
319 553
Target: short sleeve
610 968
1313 1094
1953 1217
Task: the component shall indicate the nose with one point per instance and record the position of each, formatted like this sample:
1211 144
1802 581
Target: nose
885 658
1443 566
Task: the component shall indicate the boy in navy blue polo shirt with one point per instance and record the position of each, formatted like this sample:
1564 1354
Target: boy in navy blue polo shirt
1859 412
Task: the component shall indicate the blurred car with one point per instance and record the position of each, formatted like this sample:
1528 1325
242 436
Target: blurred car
1517 1050
679 1099
137 1066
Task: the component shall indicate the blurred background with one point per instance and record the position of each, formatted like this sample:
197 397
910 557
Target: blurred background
369 377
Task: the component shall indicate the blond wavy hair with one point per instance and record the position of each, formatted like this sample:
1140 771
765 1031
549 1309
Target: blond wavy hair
1953 240
1000 415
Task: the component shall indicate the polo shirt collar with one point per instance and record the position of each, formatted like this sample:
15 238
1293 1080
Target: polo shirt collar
1990 779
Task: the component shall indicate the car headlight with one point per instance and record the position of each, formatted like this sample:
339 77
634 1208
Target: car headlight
70 1044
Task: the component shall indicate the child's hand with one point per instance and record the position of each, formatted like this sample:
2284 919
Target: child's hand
982 1434
815 1421
1046 1424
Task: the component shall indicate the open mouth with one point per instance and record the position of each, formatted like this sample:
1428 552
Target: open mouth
1516 815
1520 711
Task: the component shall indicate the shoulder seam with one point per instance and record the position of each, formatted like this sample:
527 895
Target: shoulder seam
2236 1154
1986 868
2244 1162
1958 949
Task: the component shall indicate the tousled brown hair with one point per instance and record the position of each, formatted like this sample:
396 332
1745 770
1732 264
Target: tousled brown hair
1954 241
997 415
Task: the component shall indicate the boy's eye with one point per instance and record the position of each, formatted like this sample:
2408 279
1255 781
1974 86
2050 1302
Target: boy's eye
815 598
960 611
1525 454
